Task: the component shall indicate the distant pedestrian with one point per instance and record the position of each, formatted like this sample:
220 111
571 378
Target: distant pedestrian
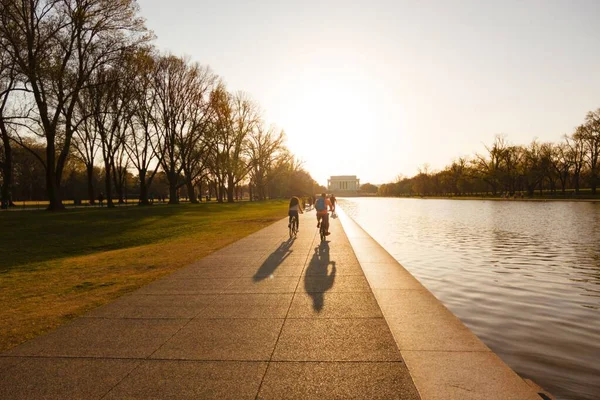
100 198
333 200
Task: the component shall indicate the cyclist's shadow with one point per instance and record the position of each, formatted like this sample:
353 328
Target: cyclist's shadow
274 260
318 277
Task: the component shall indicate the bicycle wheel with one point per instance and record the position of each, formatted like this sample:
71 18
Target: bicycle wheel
291 227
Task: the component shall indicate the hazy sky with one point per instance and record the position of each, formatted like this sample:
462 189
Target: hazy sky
379 88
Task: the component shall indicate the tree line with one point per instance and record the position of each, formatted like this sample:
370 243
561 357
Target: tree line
565 168
87 100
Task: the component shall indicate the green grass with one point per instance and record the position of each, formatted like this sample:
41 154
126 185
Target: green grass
55 266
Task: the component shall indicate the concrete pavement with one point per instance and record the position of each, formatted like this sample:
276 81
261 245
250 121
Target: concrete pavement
266 317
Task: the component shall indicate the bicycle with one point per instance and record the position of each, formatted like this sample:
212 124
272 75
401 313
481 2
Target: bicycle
323 228
293 226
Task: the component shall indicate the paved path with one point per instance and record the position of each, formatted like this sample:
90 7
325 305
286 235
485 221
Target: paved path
266 318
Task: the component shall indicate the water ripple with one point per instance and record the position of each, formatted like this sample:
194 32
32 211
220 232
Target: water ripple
524 276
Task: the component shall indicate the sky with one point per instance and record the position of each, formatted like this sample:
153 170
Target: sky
379 89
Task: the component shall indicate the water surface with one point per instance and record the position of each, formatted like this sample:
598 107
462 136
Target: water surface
524 276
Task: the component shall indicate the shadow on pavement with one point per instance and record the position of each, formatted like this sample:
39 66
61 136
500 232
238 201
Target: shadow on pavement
319 277
274 260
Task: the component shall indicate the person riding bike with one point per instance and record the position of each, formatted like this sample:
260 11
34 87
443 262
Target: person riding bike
293 210
321 206
333 200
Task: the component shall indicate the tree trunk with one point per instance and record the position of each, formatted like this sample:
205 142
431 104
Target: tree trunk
52 187
143 189
191 191
173 195
211 186
119 188
5 194
6 200
119 182
90 183
219 190
230 189
108 185
173 188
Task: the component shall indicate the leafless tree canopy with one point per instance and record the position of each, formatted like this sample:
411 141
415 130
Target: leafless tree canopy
93 94
56 46
507 169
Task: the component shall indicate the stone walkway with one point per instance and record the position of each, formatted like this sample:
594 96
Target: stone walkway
267 318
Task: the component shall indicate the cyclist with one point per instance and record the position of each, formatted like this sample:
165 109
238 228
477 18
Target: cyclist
310 203
293 210
321 206
333 200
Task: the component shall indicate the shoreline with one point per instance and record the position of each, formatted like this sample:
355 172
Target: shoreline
443 356
485 198
490 260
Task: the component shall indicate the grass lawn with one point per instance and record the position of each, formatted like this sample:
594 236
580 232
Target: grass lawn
56 266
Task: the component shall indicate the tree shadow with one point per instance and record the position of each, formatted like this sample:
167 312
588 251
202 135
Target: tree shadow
274 260
318 277
32 237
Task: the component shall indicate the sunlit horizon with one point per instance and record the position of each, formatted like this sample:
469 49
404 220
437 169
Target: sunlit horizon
379 89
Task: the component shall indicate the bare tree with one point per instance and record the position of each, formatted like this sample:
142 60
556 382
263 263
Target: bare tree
287 177
546 169
110 110
57 45
141 139
589 134
219 154
7 85
508 174
264 147
489 169
120 165
458 175
196 142
195 160
216 172
531 167
236 118
86 141
181 117
562 164
576 156
422 181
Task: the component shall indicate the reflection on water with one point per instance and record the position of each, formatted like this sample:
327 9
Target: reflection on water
524 276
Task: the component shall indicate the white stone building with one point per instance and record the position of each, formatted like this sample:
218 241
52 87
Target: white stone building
343 185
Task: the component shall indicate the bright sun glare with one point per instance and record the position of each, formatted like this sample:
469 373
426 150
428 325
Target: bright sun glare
334 112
